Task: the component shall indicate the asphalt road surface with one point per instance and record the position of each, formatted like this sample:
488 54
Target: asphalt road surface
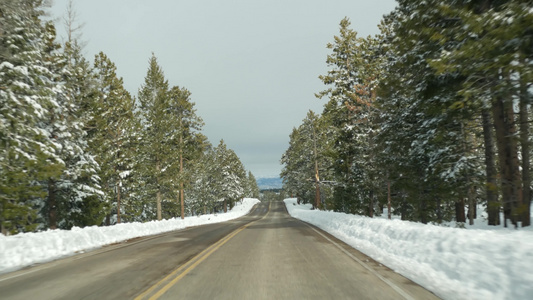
264 255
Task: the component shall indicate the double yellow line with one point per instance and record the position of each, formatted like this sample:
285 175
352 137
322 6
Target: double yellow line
157 291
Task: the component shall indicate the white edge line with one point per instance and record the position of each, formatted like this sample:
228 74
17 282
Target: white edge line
388 282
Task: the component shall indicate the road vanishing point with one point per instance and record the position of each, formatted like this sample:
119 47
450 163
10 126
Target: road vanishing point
266 254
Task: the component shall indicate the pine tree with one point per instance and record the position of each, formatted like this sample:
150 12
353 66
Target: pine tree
189 140
437 140
114 121
26 95
491 49
354 74
232 176
251 189
307 161
203 194
158 155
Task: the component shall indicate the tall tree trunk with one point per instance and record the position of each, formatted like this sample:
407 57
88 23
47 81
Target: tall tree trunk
491 186
52 204
524 206
439 210
158 196
403 208
388 198
182 196
472 210
371 205
468 183
317 175
225 206
182 192
158 199
500 130
516 176
460 215
505 128
422 208
118 200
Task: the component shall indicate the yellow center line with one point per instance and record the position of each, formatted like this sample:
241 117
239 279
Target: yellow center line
193 263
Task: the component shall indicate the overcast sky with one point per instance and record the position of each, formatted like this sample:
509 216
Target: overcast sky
252 66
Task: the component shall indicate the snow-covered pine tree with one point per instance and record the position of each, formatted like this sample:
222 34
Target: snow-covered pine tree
112 141
27 155
354 73
231 177
436 139
492 51
309 152
252 190
74 197
204 191
186 133
159 165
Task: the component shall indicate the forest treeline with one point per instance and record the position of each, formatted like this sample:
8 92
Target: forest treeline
430 117
76 149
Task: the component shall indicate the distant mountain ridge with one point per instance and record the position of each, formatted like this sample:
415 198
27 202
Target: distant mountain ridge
267 183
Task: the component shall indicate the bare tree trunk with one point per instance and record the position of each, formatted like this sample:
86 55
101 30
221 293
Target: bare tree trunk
403 207
52 204
524 206
317 176
504 125
371 205
491 186
439 210
472 211
182 196
388 198
516 176
225 206
423 213
182 192
422 208
468 184
158 196
118 200
460 215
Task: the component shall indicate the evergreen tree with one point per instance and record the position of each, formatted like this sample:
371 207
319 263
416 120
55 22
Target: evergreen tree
160 134
306 172
252 190
354 74
72 192
113 138
492 50
26 95
436 140
232 176
189 140
203 195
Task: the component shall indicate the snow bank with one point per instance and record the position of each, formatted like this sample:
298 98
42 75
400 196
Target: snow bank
453 263
25 249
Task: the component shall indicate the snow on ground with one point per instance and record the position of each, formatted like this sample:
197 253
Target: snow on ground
453 263
26 249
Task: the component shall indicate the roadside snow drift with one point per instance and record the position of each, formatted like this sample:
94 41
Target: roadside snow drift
25 249
451 262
